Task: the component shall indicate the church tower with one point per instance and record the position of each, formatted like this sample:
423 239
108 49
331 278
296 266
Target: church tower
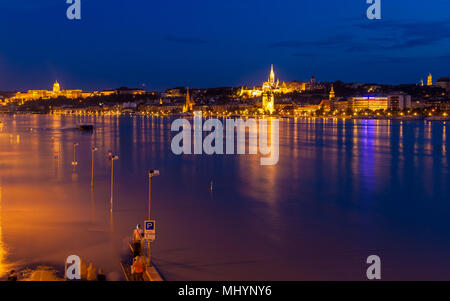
268 97
189 103
272 75
268 102
430 80
332 94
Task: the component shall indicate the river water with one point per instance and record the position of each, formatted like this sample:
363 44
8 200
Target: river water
341 191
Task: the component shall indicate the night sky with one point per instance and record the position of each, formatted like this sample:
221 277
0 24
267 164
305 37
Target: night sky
209 43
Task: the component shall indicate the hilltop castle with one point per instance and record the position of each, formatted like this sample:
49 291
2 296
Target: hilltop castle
47 94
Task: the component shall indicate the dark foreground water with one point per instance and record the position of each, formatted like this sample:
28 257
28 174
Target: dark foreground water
342 190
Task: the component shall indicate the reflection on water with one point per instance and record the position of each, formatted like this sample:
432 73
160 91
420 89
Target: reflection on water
4 266
341 191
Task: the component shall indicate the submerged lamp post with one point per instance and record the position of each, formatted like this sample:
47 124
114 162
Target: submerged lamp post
113 158
74 162
152 173
94 149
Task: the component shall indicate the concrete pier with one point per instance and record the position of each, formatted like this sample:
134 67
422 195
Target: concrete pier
151 272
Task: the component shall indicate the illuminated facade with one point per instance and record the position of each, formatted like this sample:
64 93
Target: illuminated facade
71 94
276 86
56 87
46 94
189 103
430 80
268 93
332 94
394 101
370 103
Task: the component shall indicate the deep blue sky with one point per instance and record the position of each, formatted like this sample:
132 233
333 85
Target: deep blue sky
207 43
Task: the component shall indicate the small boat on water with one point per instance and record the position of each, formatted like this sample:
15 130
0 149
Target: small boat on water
86 127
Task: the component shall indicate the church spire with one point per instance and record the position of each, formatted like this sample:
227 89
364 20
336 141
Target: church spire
189 102
430 80
332 94
272 75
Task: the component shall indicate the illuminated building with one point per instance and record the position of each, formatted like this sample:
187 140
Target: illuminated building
255 92
324 104
332 94
277 87
268 102
273 86
430 80
268 93
71 94
46 94
309 109
108 92
189 103
369 103
56 87
272 75
395 101
175 92
99 93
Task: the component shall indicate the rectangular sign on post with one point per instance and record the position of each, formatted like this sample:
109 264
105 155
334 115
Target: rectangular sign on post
150 230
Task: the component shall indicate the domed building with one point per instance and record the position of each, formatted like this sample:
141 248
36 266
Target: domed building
47 94
56 87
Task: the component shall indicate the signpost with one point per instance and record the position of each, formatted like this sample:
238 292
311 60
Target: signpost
152 173
150 230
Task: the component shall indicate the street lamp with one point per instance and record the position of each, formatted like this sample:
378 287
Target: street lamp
74 162
113 158
152 173
94 149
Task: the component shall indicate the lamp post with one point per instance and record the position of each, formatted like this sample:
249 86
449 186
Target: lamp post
74 162
94 149
152 173
113 158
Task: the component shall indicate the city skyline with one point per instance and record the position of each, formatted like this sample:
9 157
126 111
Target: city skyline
426 80
115 45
